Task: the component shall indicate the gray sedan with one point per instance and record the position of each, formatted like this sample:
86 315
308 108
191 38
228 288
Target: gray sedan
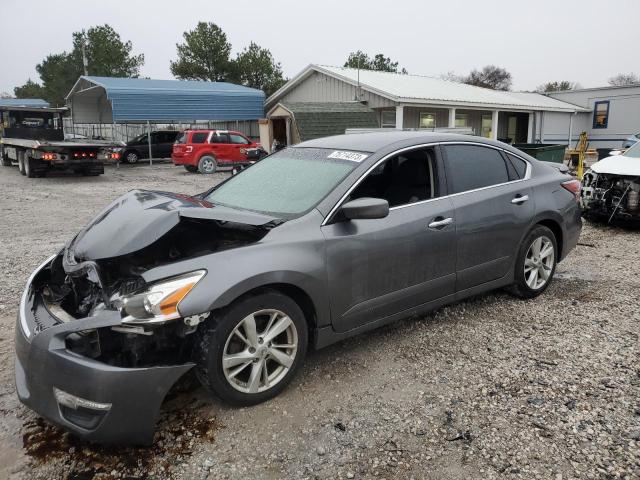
310 246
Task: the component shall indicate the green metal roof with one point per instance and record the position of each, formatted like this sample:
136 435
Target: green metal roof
316 120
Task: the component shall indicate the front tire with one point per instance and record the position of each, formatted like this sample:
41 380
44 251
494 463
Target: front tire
536 263
207 164
250 351
4 158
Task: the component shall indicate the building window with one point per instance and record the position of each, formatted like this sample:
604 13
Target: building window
462 120
427 120
601 114
388 119
486 126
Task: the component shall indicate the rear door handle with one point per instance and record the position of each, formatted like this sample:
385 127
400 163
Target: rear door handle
440 222
520 199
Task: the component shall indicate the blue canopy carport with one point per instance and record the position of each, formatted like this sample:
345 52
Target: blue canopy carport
23 102
111 100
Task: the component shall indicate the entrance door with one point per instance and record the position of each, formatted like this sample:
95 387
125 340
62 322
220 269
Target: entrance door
486 126
279 130
380 267
512 128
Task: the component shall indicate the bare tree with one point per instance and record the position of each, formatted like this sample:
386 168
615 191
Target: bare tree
560 86
490 76
622 79
451 76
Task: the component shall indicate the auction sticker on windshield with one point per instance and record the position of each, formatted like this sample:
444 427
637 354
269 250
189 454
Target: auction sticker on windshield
352 156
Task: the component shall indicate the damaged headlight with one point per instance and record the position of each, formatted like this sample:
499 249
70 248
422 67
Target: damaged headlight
159 302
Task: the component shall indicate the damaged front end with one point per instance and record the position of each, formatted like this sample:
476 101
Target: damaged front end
611 196
96 343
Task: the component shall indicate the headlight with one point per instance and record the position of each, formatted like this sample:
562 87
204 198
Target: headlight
159 302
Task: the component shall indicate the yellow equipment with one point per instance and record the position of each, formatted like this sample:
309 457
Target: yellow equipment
581 150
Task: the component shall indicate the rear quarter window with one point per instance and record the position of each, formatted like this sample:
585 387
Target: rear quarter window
519 165
199 137
470 167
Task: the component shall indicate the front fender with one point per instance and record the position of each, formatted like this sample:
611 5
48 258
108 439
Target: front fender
292 253
309 285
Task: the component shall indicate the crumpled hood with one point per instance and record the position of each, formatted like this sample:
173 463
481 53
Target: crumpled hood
140 217
618 165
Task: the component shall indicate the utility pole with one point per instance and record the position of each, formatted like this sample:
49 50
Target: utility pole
84 55
358 87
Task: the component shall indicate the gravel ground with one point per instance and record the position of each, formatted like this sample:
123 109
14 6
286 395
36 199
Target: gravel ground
493 387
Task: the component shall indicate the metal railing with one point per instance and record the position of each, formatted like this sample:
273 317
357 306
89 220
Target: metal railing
123 132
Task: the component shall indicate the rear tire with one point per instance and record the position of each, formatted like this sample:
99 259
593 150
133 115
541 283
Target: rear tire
266 360
131 157
207 165
21 156
535 264
191 168
31 165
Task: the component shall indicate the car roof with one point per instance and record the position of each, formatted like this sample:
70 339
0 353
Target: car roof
374 141
196 130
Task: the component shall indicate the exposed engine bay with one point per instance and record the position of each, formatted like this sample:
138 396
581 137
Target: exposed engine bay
610 196
73 289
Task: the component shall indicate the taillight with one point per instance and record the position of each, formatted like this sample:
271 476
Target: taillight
574 187
115 156
188 149
49 156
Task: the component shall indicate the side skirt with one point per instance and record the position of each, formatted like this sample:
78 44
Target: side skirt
325 336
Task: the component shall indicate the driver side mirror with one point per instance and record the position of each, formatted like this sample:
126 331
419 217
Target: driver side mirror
365 208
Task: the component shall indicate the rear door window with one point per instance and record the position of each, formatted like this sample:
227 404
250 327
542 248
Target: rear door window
219 137
199 137
166 137
470 167
182 138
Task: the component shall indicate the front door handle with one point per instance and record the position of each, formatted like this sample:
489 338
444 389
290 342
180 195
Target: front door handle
440 222
520 199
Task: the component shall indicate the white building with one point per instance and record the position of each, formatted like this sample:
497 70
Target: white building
416 101
613 114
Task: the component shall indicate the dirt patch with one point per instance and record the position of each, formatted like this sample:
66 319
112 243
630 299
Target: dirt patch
179 430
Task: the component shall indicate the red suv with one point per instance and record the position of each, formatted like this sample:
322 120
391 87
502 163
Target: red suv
205 150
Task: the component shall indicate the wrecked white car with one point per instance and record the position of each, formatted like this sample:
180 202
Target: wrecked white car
611 187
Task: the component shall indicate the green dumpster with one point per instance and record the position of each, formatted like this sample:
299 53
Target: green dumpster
547 152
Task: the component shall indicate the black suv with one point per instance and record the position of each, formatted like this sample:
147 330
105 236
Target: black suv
161 146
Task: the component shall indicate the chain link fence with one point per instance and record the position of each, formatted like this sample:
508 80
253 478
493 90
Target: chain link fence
123 132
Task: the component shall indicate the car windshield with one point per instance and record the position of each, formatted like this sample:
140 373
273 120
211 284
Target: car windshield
633 151
287 183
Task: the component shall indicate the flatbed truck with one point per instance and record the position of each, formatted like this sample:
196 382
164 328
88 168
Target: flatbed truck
33 138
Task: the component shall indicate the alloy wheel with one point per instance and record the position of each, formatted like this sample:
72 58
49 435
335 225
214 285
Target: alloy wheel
208 165
260 351
538 263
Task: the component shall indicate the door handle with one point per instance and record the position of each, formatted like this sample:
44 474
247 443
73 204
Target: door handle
440 222
520 199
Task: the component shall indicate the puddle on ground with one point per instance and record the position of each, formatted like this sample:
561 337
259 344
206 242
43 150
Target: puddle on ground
176 435
576 274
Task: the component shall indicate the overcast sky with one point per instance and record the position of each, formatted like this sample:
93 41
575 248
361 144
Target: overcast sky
586 41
